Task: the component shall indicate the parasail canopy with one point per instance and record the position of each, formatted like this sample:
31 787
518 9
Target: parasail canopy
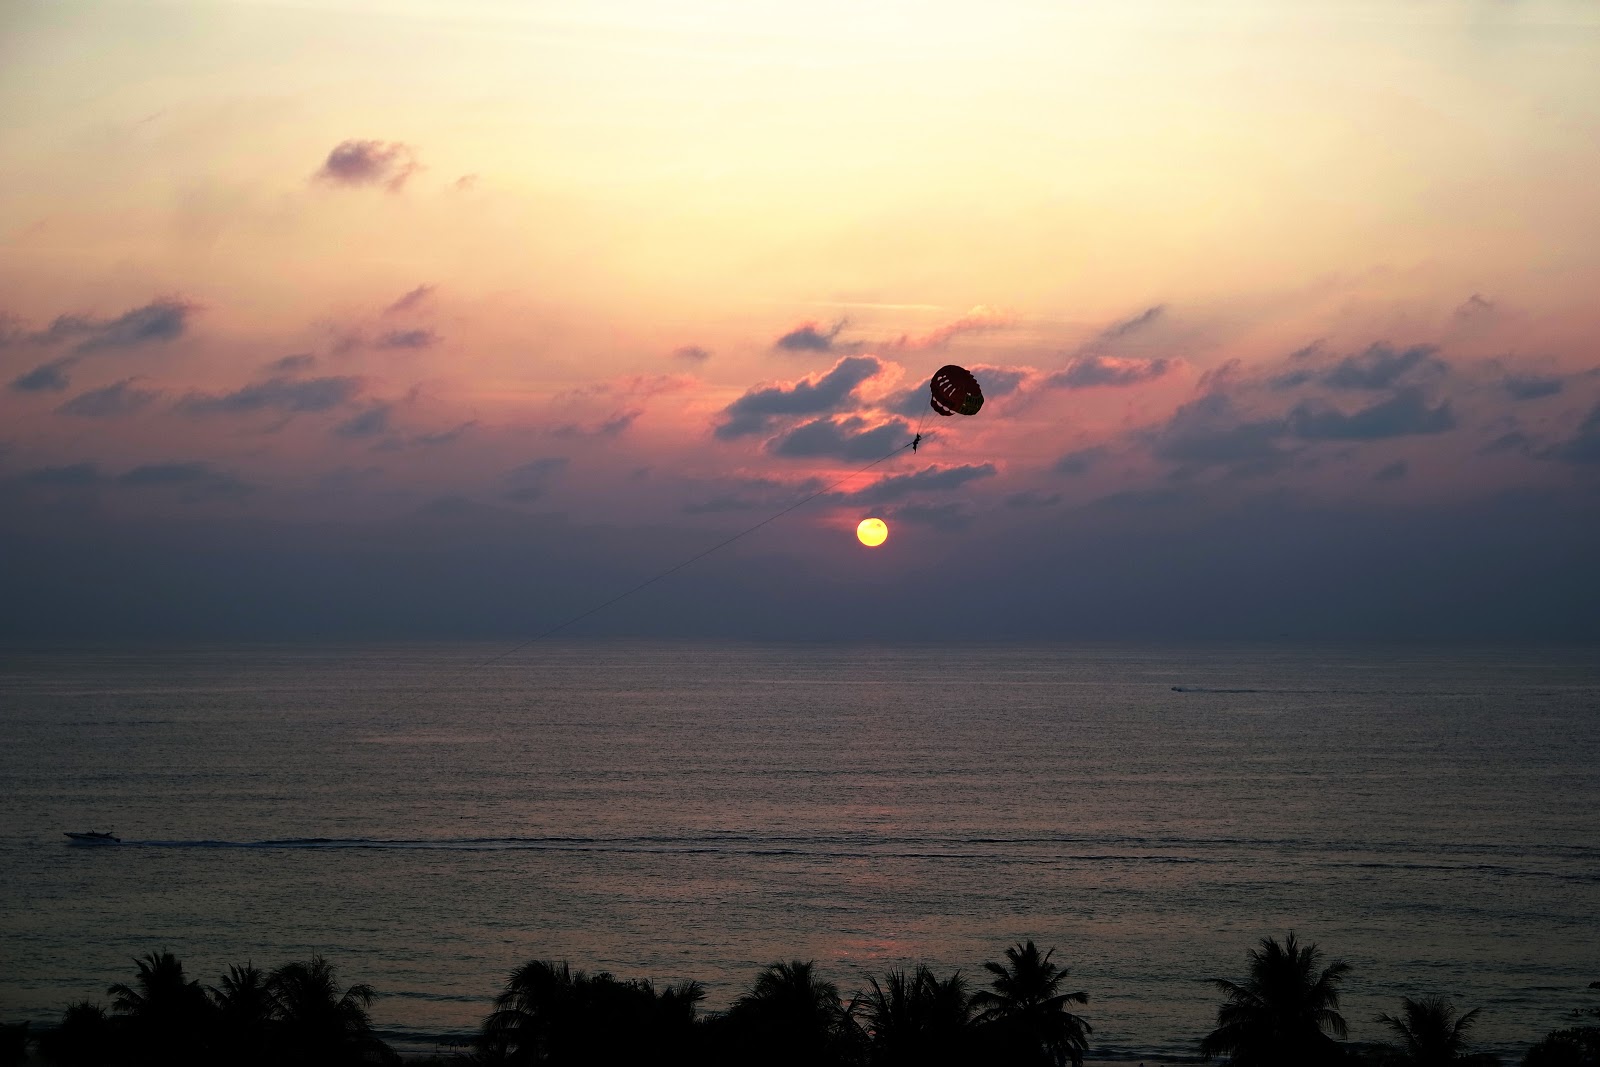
954 390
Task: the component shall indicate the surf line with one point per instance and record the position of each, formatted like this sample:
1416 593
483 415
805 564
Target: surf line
680 566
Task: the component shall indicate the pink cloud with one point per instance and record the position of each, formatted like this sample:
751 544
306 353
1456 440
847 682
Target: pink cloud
979 320
1087 372
633 385
810 336
412 300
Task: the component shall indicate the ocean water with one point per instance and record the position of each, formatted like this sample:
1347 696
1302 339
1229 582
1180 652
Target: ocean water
681 811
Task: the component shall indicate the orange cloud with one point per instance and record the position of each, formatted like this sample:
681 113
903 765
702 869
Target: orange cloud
978 320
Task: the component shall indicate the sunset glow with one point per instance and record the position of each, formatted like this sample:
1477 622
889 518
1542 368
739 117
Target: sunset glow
654 271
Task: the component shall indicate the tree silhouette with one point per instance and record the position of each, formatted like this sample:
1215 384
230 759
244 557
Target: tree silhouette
85 1038
245 1016
607 1022
13 1044
1429 1032
674 1024
1577 1046
915 1019
1025 1012
679 1002
320 1025
550 1014
523 1025
168 1018
789 1017
1283 1013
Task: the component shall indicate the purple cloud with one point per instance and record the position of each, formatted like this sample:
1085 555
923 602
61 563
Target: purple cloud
1380 367
157 321
1392 472
1090 371
362 162
1402 415
810 337
1583 446
1511 441
541 468
161 320
49 377
443 437
612 427
848 438
293 364
928 479
1475 307
812 395
369 423
408 339
194 480
120 398
275 394
411 300
1211 431
1131 325
1530 386
1079 461
1032 498
937 516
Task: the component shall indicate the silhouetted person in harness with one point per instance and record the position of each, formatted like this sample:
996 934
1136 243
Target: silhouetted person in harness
916 441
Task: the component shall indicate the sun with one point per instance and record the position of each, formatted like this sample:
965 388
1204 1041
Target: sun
872 532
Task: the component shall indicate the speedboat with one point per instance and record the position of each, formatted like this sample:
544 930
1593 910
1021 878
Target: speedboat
91 837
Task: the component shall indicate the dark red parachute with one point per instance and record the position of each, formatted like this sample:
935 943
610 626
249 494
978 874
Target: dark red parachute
953 390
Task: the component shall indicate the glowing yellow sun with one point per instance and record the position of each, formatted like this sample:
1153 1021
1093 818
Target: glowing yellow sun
872 532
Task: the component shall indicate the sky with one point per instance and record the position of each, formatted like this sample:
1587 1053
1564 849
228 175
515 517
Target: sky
457 318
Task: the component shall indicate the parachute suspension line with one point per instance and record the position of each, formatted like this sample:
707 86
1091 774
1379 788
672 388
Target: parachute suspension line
922 423
692 559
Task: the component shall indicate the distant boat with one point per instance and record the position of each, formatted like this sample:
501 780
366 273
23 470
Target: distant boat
91 837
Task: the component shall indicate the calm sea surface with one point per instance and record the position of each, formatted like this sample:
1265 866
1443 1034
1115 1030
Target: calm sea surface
697 811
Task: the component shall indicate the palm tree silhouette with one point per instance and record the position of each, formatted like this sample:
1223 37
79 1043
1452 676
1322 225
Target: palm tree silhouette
535 1018
916 1019
245 1014
527 1017
168 1018
551 1014
673 1026
790 1016
1429 1031
679 1002
1282 1013
319 1024
1026 1013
